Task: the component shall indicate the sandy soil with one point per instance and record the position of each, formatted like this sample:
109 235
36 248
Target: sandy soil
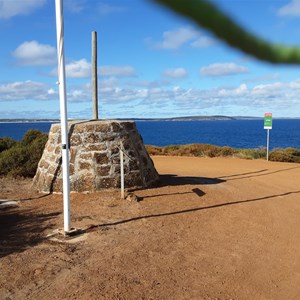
215 228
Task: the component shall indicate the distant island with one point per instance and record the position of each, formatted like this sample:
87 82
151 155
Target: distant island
196 118
185 118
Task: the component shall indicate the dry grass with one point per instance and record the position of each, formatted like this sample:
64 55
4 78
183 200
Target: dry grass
206 150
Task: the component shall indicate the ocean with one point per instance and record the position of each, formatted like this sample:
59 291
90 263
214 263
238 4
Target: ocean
233 133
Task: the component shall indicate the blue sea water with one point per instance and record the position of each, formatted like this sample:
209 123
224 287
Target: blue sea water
17 130
233 133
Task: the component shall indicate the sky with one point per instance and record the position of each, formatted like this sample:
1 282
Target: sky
152 63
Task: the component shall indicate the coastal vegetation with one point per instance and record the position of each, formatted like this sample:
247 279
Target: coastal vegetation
20 158
206 150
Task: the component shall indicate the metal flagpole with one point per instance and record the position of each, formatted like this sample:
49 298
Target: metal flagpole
63 112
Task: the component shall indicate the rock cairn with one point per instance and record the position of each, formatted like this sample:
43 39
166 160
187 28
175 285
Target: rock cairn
95 158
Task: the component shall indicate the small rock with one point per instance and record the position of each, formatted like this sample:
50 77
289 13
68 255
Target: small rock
132 197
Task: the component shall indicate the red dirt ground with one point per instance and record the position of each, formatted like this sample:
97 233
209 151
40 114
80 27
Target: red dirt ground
215 228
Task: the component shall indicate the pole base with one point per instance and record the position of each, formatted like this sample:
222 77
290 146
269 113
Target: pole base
71 236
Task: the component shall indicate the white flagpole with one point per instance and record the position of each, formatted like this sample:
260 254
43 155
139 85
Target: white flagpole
63 112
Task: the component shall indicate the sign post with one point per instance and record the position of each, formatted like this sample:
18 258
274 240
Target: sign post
268 126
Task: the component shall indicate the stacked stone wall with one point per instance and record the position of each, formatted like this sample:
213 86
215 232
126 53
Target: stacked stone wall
95 158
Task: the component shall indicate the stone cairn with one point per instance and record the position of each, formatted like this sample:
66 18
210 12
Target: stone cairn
95 158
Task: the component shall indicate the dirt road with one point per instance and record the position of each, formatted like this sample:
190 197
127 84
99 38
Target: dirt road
215 228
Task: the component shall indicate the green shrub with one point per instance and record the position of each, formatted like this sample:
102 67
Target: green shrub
198 150
251 153
285 155
30 136
227 151
207 150
279 155
13 161
22 158
153 150
170 150
6 143
292 151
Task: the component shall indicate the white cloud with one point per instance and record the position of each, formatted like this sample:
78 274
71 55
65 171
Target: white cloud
81 93
33 53
290 9
108 82
118 71
82 69
176 38
223 69
236 92
11 8
148 83
266 77
162 98
26 90
203 42
51 92
295 84
78 69
117 94
75 6
268 89
176 73
105 9
240 97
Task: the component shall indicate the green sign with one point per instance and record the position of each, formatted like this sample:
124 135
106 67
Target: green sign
268 121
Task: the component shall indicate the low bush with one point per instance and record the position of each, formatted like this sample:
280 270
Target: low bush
6 143
206 150
154 150
292 151
21 158
200 150
285 155
252 153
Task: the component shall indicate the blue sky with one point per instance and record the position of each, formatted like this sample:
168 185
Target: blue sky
151 62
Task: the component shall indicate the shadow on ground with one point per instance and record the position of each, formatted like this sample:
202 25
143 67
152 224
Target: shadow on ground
258 173
191 210
174 180
21 229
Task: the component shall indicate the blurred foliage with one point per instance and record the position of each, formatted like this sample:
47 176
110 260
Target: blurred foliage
206 14
20 158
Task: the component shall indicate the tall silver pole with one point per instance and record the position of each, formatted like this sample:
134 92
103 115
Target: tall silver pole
94 75
63 112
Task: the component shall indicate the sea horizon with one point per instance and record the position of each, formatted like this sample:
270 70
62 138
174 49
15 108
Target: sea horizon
243 133
180 118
